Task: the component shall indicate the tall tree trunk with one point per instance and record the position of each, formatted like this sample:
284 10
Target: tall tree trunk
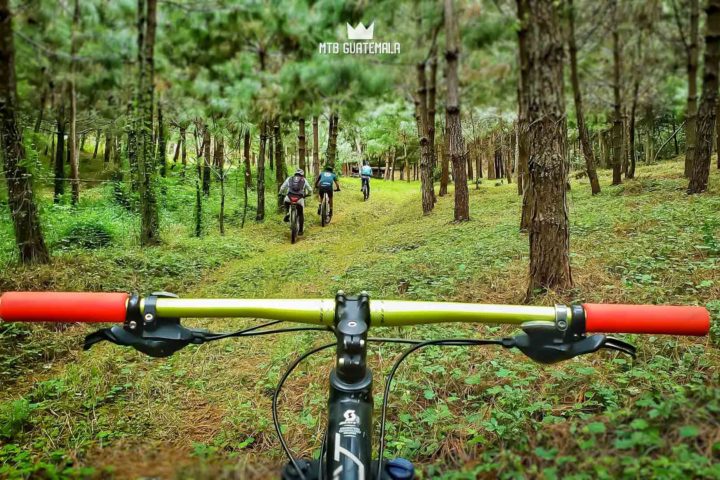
301 144
707 108
247 173
220 164
523 126
25 218
198 187
332 138
183 148
260 215
72 141
162 142
247 169
692 55
492 149
431 106
207 163
617 105
426 153
150 221
176 155
444 166
280 168
549 227
631 134
453 126
316 147
97 143
59 181
579 113
108 148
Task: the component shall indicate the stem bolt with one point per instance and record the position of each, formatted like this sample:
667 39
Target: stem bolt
132 325
149 317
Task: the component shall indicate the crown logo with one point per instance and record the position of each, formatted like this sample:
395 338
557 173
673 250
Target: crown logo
360 32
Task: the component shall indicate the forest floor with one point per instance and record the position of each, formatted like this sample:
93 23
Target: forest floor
456 412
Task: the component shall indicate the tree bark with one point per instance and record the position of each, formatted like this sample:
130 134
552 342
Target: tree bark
97 144
150 221
431 107
617 105
549 226
59 181
281 172
523 126
183 148
456 144
579 113
332 138
260 215
631 134
72 141
426 154
301 144
108 148
247 174
162 142
207 163
707 109
25 218
316 147
692 55
220 164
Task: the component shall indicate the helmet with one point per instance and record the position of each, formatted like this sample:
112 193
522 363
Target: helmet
300 172
328 168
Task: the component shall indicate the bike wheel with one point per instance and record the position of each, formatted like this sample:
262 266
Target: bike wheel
293 224
323 211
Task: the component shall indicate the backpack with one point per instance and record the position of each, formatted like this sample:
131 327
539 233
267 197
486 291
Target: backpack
297 186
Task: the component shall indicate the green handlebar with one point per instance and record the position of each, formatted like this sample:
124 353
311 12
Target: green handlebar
382 312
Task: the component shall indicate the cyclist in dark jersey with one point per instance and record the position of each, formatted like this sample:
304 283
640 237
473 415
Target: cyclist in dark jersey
324 184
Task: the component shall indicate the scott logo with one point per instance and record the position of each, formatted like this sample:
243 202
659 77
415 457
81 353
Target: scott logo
351 417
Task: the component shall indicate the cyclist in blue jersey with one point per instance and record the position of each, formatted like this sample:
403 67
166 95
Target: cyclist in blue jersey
324 184
365 174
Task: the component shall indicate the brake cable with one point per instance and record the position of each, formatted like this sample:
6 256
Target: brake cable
403 356
276 394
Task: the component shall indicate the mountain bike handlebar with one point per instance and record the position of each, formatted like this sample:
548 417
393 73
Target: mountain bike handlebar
586 318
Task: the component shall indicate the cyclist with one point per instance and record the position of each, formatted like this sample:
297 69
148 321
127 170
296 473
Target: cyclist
365 174
296 186
324 184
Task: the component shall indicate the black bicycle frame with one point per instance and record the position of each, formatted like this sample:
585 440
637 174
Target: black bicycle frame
348 452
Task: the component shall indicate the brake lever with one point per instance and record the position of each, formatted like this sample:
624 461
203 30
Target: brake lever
165 339
613 343
545 343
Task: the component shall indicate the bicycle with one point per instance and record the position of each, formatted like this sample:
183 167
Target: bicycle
365 189
294 217
325 212
152 326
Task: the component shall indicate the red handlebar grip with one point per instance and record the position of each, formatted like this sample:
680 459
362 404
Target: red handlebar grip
660 319
63 307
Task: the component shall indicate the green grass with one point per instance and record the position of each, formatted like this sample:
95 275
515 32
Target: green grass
456 412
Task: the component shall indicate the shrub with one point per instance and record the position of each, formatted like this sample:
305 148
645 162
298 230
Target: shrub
88 234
